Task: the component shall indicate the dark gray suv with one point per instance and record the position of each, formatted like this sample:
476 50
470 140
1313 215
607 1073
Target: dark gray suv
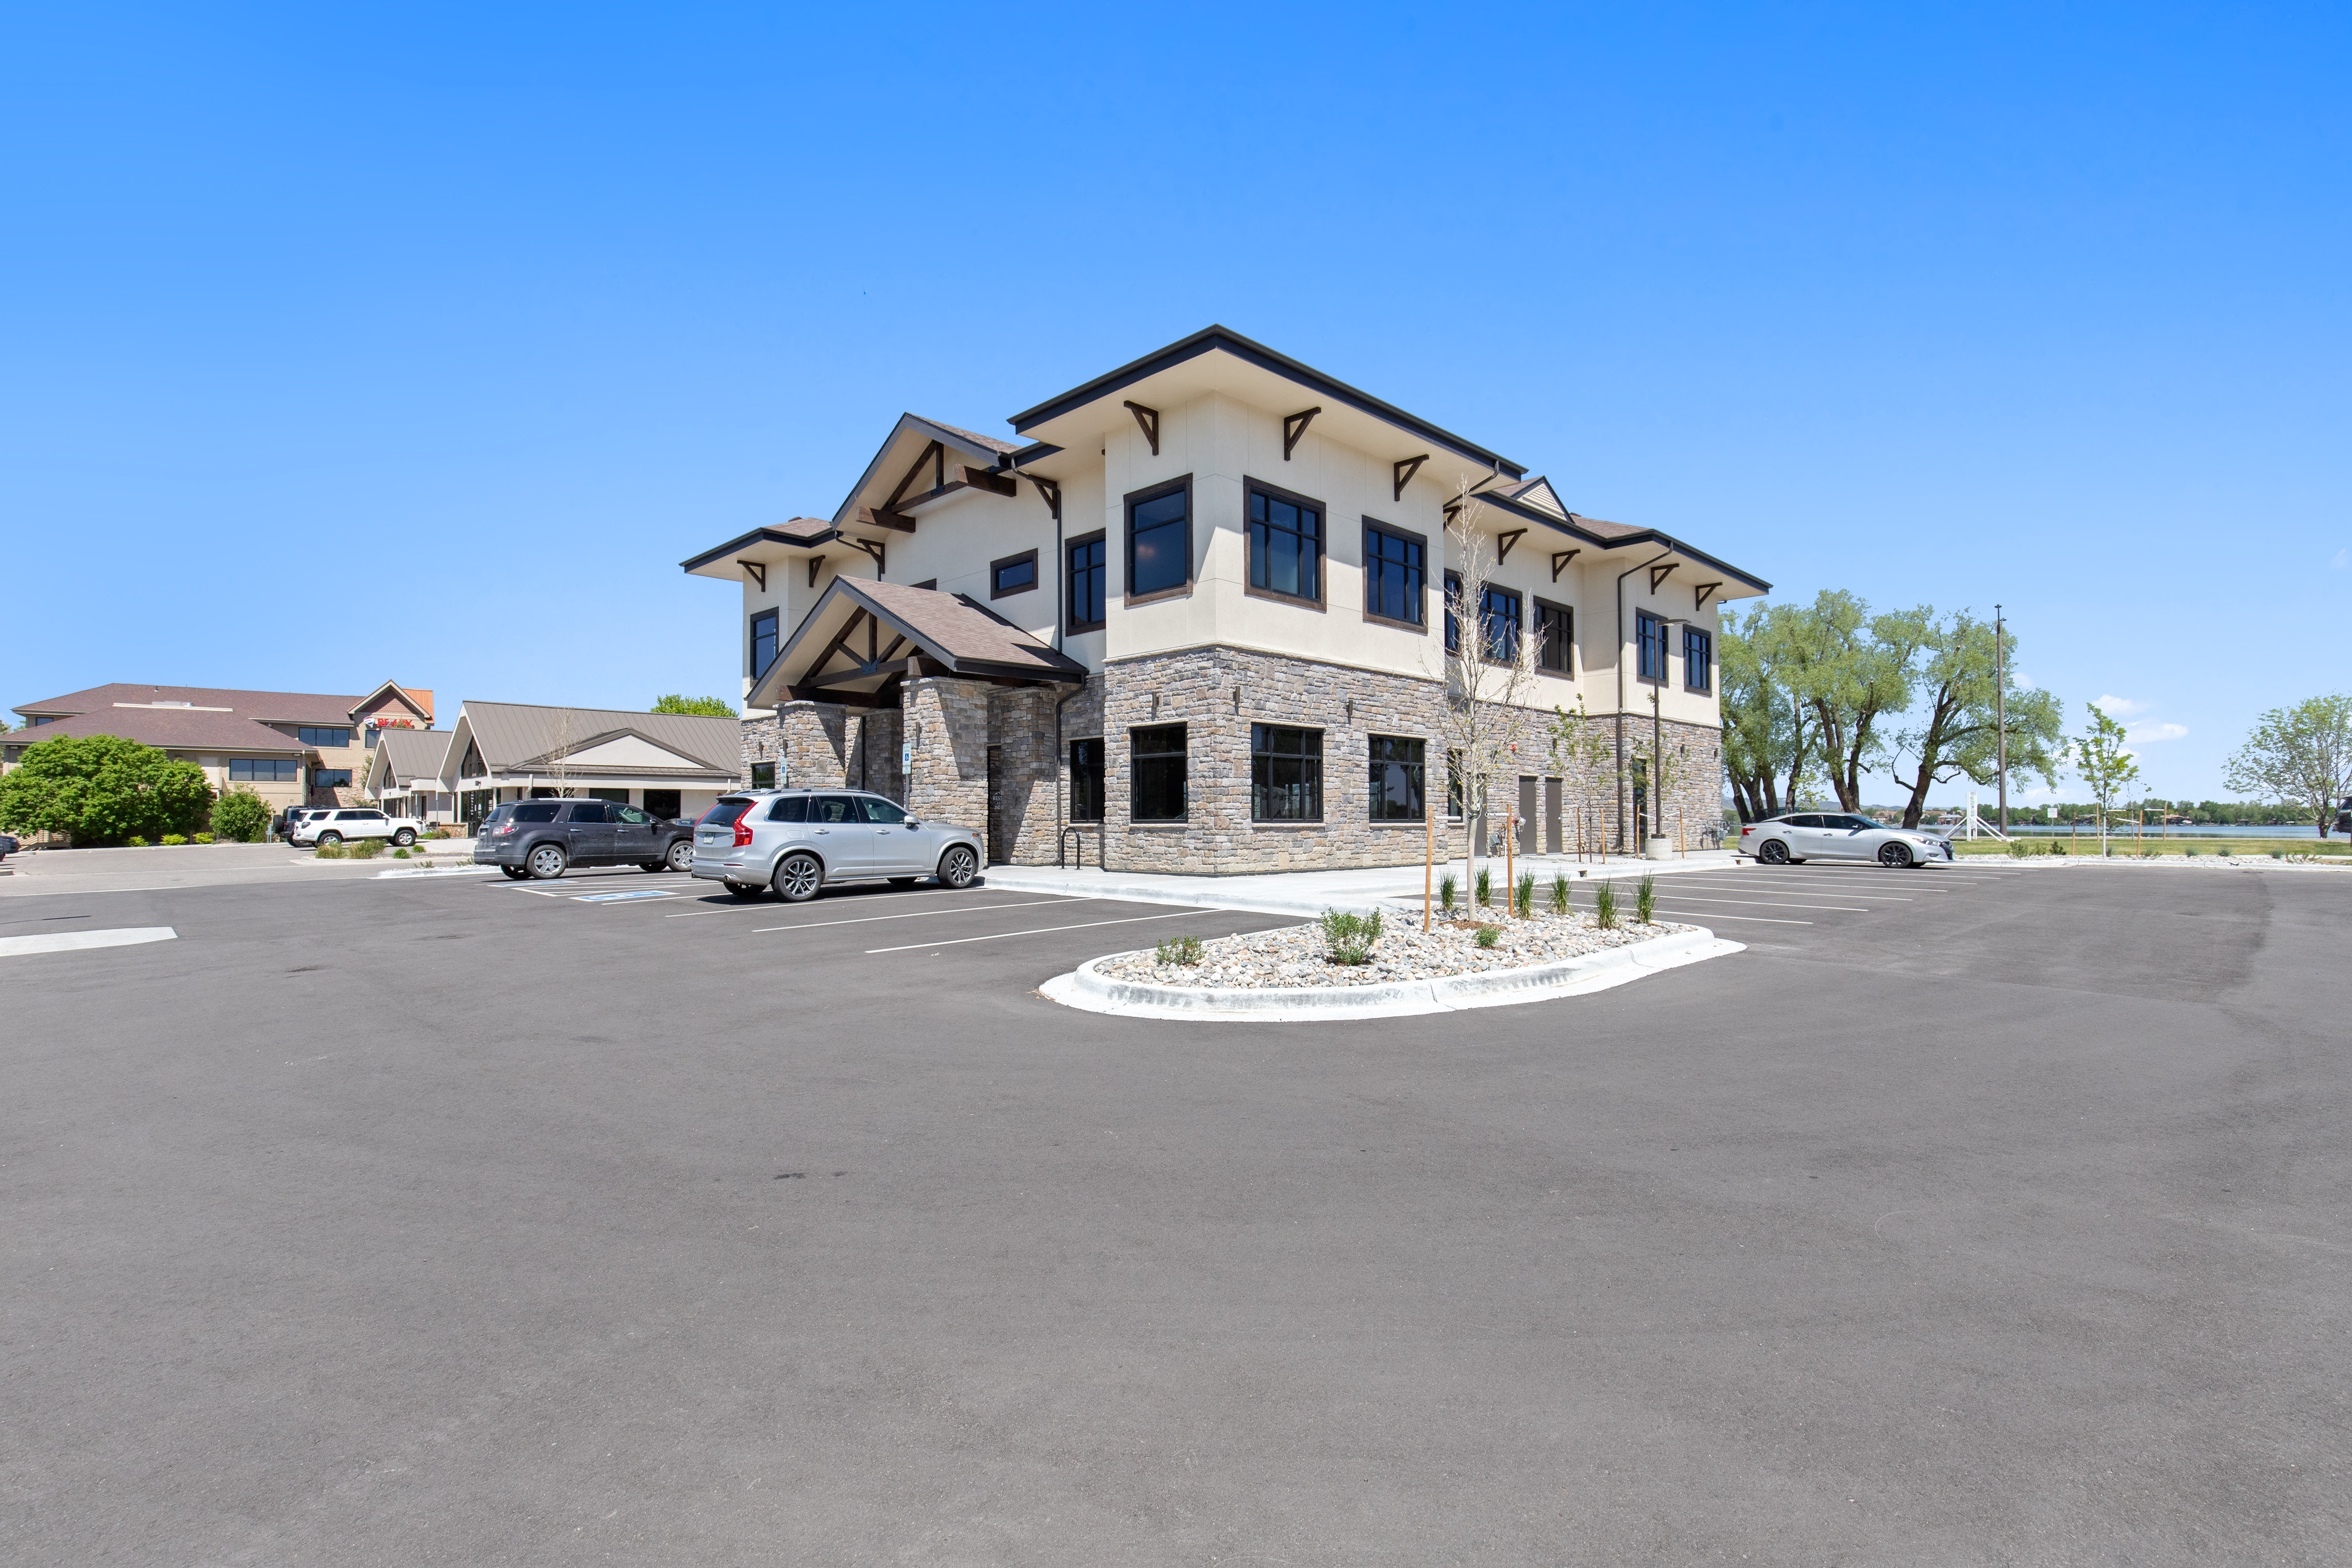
796 840
543 838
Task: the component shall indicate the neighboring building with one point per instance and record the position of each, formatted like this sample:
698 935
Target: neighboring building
1195 611
291 748
403 775
672 765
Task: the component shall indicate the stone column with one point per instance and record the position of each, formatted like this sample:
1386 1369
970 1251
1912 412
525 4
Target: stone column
1021 726
946 721
813 740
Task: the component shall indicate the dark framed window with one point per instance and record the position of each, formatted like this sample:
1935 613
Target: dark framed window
1286 773
1285 543
323 734
263 770
473 763
1499 624
1698 659
1396 762
1555 634
1013 575
1159 539
1086 780
1394 575
663 803
330 778
763 642
763 776
1090 568
1453 619
1650 645
610 797
1155 767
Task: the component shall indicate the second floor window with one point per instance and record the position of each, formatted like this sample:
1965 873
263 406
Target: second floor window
1650 645
1499 624
1452 612
1013 575
1286 773
763 642
1285 544
263 770
1554 630
1392 575
323 735
1089 572
1698 659
1159 539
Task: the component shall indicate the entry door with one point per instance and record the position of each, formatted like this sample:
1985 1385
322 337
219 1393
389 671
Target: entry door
1555 842
1526 814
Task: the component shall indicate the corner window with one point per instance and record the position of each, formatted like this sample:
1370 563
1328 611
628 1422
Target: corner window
1396 762
1555 634
263 770
330 778
1013 575
1394 575
1650 643
1086 780
1452 612
764 775
1285 543
1286 773
1698 661
1156 773
1160 539
1089 571
323 735
763 642
1499 624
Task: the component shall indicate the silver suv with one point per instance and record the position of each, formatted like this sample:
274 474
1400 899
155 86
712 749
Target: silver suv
796 840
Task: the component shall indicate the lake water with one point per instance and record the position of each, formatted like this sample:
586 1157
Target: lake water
2125 830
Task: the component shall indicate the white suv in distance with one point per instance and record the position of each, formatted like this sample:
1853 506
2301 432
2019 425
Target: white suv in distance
354 821
796 840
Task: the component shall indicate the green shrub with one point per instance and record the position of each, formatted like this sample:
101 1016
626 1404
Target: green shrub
2057 847
240 816
2150 853
2278 853
1604 905
365 849
2017 849
1351 938
1185 950
329 852
400 853
102 789
1523 896
2188 851
438 833
201 837
1486 887
174 839
1645 898
1446 888
1489 935
1559 893
135 842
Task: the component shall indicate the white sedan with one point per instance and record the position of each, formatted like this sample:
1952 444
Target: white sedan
1838 836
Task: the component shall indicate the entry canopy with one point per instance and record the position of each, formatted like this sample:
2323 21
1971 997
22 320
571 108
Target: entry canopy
864 637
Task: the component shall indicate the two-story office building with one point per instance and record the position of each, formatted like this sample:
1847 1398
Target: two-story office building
1195 610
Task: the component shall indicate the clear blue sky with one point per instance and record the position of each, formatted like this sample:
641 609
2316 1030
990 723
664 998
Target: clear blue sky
2042 305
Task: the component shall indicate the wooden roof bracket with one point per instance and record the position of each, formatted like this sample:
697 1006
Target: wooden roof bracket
1401 472
1561 558
1294 427
1148 421
1659 573
759 571
883 517
1700 594
1051 490
989 479
873 547
1503 543
816 564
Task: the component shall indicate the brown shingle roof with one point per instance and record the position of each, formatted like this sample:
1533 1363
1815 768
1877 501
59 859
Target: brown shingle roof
173 729
284 707
991 442
957 630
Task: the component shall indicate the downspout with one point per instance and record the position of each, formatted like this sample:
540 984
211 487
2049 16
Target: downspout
1621 691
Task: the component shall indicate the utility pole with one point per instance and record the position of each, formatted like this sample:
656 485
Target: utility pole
2000 710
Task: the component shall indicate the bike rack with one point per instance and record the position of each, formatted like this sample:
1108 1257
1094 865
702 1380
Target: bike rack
1061 846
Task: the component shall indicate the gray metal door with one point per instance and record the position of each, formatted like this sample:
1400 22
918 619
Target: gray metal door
1528 827
1555 841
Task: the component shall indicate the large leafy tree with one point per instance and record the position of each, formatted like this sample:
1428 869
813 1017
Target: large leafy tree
1769 730
240 816
103 789
709 707
1856 672
2302 753
1956 729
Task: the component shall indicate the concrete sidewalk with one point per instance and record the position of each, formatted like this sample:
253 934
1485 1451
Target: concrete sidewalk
1310 893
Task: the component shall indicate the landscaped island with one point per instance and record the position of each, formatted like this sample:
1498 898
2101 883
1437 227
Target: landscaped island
1302 955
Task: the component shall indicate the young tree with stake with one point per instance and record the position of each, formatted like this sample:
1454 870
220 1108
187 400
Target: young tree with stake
2105 769
1489 669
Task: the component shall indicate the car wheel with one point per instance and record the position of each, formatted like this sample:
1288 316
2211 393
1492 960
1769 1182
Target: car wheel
326 838
680 857
1772 852
515 872
799 878
545 863
740 891
1897 855
958 867
405 837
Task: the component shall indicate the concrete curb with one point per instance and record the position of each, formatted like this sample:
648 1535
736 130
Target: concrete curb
439 871
1088 989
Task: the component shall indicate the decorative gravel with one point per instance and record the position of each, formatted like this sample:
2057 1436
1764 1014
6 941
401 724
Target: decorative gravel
1296 956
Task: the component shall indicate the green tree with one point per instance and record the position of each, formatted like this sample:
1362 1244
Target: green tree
1769 730
2102 764
1856 672
710 707
2302 754
240 815
103 789
1957 730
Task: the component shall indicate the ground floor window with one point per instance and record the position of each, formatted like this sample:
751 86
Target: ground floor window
1286 773
610 796
1396 762
663 803
764 775
1156 773
1453 786
330 778
474 804
1086 780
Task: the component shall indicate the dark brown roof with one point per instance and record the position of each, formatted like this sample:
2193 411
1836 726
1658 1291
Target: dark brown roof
1593 525
957 630
991 442
174 729
287 707
812 529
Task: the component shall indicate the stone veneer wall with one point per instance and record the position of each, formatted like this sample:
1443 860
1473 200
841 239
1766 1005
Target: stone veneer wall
947 720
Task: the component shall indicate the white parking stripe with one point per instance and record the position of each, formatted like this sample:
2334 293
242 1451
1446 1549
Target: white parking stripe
71 940
917 914
1752 920
1041 930
1684 883
748 905
1774 903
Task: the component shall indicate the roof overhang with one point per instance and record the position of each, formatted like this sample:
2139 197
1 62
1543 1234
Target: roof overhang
1730 582
857 644
1218 361
762 548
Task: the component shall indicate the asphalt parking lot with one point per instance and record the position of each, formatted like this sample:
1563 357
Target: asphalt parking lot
1987 1217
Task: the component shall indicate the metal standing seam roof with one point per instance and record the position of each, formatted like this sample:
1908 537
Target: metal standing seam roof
412 754
511 736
